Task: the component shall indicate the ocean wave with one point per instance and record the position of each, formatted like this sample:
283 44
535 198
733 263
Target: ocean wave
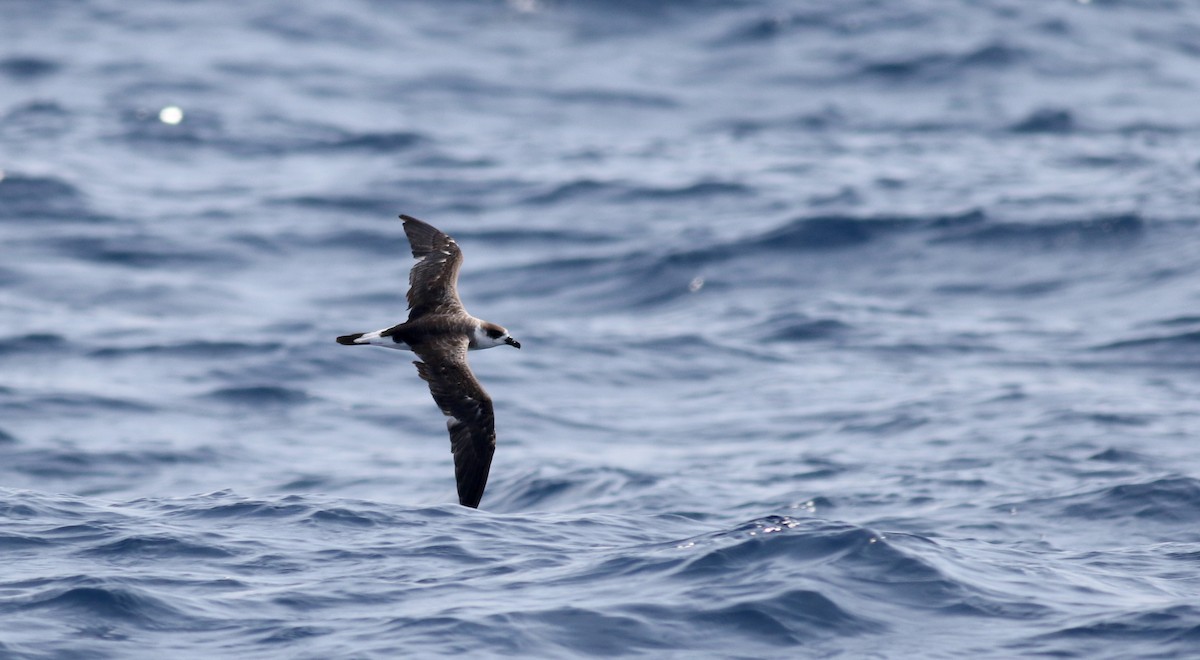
1091 232
225 504
385 243
940 66
38 342
260 395
80 463
840 557
1104 419
9 277
772 537
24 197
373 141
1027 290
758 29
71 404
1113 454
779 617
137 548
28 67
142 252
1118 160
824 232
1173 629
36 120
571 191
589 189
698 190
1046 120
1186 319
366 205
1166 501
279 136
539 491
188 349
265 136
609 97
111 600
1177 350
307 27
1183 341
813 580
794 326
21 542
445 194
640 278
828 117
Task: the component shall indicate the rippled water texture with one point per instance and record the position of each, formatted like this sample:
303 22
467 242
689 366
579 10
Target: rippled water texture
866 329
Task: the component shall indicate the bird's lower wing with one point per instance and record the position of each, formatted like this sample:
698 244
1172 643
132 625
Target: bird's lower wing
468 411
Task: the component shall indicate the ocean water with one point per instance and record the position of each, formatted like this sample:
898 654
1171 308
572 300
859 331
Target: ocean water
867 329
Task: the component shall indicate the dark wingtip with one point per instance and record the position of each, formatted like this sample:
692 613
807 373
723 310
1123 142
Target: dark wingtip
470 495
349 340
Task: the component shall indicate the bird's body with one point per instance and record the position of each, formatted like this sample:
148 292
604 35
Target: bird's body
441 332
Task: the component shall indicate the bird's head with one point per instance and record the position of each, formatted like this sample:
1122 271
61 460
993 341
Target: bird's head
494 335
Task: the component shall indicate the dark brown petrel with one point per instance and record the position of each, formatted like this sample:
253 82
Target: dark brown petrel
440 331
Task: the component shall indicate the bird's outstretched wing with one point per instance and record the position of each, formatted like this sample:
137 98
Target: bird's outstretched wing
433 281
468 411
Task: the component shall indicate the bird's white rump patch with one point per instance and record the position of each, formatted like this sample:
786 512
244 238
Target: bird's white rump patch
377 339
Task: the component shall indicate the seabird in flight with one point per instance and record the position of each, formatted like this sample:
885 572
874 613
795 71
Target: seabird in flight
440 331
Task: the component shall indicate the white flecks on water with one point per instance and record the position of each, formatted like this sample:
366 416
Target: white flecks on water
172 114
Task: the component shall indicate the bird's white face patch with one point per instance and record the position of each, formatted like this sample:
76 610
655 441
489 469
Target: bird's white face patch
377 339
482 340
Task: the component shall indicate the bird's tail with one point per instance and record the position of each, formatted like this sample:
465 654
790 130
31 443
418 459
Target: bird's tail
350 340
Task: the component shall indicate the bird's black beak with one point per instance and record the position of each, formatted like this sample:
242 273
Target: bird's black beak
513 342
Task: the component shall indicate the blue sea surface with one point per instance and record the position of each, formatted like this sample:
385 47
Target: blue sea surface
858 329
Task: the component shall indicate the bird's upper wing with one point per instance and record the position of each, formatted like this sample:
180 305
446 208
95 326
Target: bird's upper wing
468 410
433 281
